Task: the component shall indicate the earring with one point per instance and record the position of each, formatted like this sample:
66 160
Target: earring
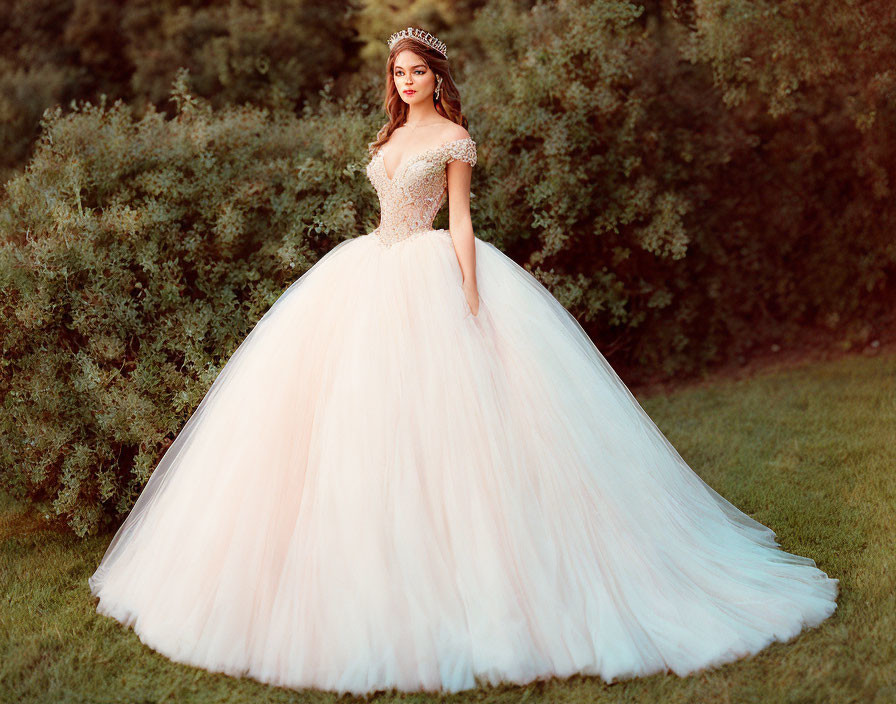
438 86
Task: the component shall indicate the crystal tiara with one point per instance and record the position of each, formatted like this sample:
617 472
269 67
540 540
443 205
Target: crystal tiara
422 36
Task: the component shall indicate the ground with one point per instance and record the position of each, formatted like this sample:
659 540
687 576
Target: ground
806 448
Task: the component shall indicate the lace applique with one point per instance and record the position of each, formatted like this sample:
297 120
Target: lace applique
411 199
462 150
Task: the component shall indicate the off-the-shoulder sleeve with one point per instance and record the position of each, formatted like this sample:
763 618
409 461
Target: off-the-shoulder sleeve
462 150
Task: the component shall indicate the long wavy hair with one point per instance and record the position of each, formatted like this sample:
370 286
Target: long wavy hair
448 104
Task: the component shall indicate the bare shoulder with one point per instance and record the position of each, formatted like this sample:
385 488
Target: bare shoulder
453 131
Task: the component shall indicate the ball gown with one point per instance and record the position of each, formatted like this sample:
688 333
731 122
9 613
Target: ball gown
383 490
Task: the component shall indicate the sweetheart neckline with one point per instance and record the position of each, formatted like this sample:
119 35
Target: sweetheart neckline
391 179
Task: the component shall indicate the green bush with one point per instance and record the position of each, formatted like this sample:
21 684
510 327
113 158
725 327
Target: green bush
277 54
688 210
135 256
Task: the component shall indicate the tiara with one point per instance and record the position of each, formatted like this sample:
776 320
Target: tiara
422 36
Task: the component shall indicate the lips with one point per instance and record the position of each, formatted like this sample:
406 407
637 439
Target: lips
409 92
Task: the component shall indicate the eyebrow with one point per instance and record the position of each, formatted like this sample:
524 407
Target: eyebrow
415 66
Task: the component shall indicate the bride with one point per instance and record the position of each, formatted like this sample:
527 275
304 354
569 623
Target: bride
418 472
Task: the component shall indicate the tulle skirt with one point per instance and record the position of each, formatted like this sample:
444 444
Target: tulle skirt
382 490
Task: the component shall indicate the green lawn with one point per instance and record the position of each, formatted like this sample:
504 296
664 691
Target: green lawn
810 452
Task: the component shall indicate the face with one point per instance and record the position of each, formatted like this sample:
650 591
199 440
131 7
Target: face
411 73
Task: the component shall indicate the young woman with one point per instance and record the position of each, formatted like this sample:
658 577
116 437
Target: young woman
418 472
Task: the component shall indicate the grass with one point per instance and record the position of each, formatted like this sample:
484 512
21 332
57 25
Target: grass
809 452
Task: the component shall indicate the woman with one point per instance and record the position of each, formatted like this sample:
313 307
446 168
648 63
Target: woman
417 471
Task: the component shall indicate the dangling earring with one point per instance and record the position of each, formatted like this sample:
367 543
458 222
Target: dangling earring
438 86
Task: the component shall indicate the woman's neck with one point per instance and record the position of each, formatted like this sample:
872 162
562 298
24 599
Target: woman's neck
421 114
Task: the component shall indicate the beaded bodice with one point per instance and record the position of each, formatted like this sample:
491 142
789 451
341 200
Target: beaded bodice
411 199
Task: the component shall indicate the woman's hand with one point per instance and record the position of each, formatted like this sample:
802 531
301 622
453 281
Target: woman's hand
471 292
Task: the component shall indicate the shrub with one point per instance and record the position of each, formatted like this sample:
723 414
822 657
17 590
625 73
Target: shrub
684 211
135 256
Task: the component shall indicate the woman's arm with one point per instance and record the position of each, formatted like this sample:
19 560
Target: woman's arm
461 227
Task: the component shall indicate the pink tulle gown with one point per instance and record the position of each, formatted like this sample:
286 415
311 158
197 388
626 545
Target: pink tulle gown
382 490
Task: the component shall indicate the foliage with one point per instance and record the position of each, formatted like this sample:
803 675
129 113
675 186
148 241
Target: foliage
277 54
682 226
137 255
